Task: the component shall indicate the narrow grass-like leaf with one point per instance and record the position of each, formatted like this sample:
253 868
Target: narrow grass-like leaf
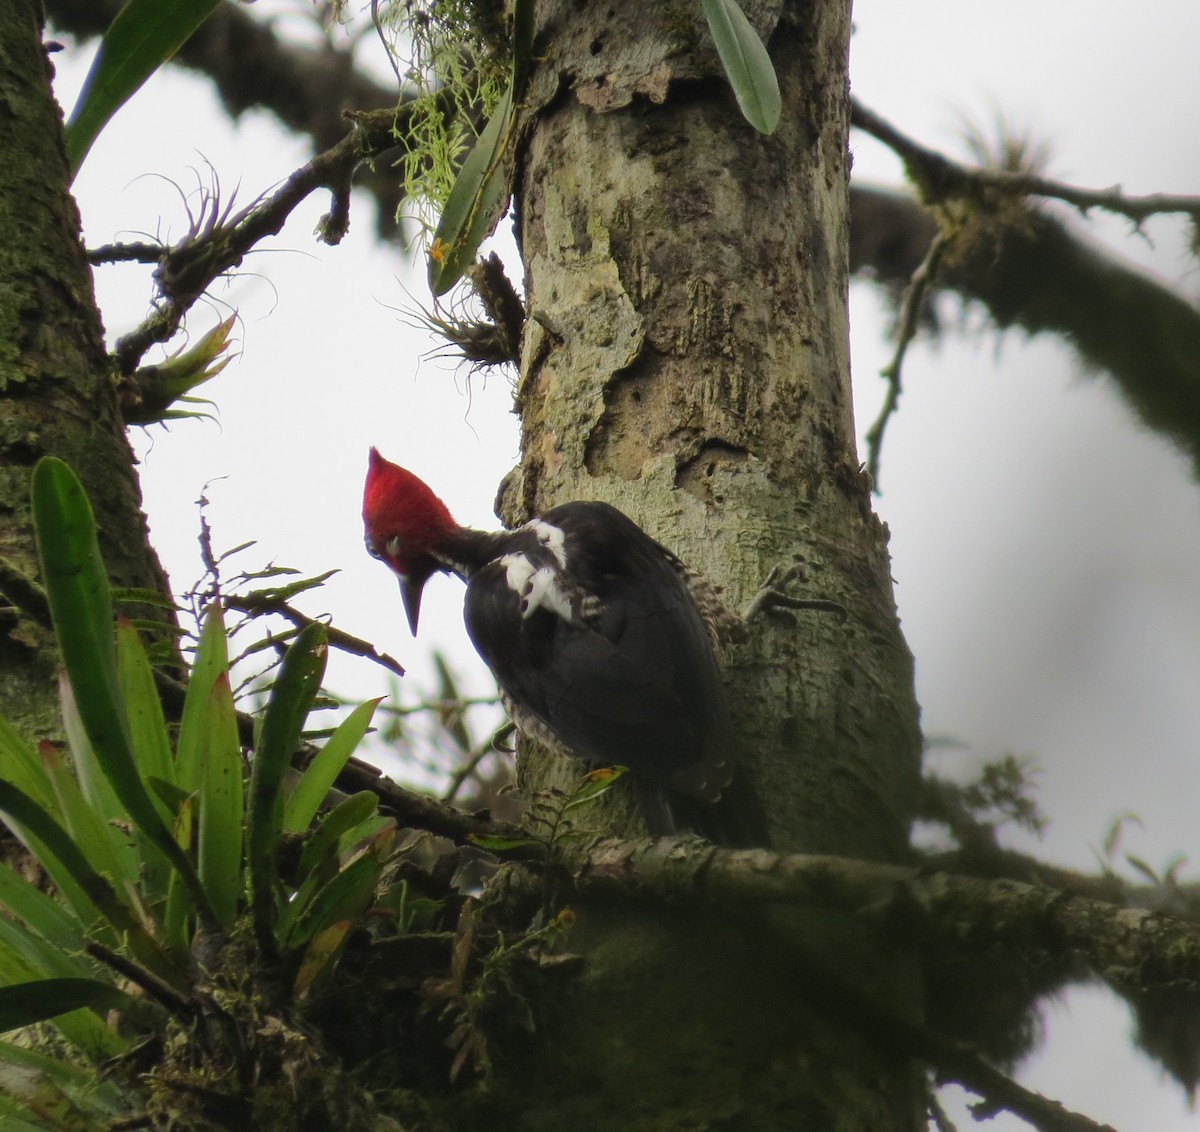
476 201
63 857
212 659
44 959
180 912
89 782
320 774
109 851
747 64
65 864
292 697
152 749
319 860
222 799
40 913
320 956
81 607
345 897
23 1004
82 1028
346 816
144 35
20 765
143 707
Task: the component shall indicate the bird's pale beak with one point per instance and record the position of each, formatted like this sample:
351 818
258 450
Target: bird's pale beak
411 588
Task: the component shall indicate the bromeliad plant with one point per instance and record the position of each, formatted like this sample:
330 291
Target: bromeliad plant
160 854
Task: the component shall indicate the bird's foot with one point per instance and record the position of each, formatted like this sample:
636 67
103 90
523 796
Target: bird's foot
773 596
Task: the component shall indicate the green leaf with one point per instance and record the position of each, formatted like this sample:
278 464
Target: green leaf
20 765
81 607
59 855
144 35
323 845
26 1003
143 707
109 851
747 64
320 956
319 859
292 697
82 1028
40 913
594 784
222 799
152 749
320 774
346 896
212 659
501 844
476 201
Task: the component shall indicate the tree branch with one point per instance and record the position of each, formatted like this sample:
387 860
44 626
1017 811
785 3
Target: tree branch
1041 277
220 242
1132 949
941 179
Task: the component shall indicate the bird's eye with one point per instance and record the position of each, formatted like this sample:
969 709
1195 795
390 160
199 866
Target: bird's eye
372 549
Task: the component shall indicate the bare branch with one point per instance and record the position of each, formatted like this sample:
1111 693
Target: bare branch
910 308
941 179
1040 276
356 646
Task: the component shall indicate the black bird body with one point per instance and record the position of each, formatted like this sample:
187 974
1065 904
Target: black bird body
595 639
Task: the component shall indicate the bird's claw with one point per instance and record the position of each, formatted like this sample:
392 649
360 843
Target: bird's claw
772 594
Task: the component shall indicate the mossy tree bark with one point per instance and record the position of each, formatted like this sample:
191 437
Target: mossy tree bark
686 359
57 392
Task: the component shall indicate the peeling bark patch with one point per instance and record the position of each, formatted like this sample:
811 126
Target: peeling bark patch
613 91
600 332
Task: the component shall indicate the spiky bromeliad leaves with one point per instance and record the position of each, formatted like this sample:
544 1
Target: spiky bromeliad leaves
153 873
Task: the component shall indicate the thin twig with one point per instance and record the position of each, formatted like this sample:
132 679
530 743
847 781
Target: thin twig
356 646
910 312
940 178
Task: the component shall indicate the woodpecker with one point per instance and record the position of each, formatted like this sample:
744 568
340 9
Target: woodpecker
596 637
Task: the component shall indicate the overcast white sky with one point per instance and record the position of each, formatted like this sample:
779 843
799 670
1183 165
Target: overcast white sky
1046 550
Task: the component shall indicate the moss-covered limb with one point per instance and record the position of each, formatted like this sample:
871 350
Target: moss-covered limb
1041 276
56 391
1134 948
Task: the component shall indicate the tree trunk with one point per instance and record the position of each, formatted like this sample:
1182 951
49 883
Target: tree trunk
57 392
687 360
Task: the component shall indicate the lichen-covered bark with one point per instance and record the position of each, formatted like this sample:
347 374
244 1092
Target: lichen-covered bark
687 360
56 392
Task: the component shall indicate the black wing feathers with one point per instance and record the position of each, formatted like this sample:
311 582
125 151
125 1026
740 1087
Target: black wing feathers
629 678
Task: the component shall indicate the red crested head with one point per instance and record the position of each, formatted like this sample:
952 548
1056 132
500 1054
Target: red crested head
405 523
